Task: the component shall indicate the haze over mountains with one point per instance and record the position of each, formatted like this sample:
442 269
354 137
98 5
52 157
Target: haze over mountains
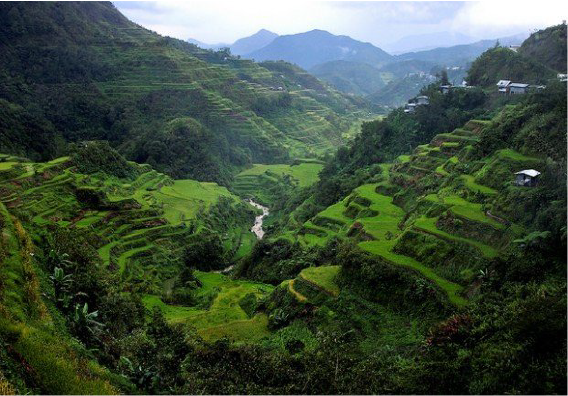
359 68
243 45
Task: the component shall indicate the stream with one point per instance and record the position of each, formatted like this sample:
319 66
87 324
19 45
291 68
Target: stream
257 227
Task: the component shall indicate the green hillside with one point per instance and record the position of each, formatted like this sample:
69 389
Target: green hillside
548 46
506 65
400 255
351 77
186 111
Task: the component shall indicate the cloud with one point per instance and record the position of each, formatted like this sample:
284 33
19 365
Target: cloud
378 22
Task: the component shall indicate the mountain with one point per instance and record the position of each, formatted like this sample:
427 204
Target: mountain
203 45
318 46
88 73
398 91
252 43
243 45
350 77
460 55
422 42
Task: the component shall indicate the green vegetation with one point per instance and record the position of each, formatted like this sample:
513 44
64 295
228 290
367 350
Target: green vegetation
188 112
225 317
408 262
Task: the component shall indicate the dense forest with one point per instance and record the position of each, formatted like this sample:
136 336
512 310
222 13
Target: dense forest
400 256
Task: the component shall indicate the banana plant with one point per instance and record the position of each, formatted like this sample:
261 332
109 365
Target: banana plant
62 286
85 322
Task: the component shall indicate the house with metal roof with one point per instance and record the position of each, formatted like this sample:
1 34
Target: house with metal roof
527 178
422 100
410 108
518 88
503 86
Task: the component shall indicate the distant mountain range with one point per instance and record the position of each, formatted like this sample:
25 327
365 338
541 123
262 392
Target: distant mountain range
424 42
242 46
318 46
360 68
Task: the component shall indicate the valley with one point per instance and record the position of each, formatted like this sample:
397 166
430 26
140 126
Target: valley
185 220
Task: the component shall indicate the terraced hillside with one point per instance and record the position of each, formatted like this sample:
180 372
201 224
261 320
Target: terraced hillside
30 322
126 84
263 181
433 212
228 309
139 226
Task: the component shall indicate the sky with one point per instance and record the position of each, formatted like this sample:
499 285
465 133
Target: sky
380 23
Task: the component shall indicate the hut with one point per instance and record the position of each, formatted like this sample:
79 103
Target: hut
527 178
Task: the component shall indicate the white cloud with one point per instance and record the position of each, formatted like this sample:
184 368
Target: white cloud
215 21
485 18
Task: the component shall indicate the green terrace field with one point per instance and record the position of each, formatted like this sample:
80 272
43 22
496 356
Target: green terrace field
259 180
140 226
452 220
313 283
226 315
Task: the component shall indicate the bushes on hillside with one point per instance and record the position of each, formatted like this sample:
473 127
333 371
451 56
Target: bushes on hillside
98 156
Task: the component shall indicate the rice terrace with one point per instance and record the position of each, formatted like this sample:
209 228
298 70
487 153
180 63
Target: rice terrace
370 201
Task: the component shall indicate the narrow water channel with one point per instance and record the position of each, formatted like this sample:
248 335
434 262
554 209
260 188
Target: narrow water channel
257 227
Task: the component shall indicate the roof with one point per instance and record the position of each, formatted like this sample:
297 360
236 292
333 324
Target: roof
518 85
528 172
422 97
503 83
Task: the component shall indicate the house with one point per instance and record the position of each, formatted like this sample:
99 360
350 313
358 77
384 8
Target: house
562 77
422 100
410 108
514 48
503 86
518 88
445 88
527 178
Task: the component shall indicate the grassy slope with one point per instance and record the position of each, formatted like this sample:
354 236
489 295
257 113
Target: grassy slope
225 317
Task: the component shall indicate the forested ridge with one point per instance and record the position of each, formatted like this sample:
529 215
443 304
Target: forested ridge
401 258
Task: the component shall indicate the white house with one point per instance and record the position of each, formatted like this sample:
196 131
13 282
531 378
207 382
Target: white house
503 86
562 77
518 88
410 108
527 178
445 88
422 100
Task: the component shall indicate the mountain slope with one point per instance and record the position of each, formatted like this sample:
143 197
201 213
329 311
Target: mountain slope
459 55
350 77
318 46
82 71
548 46
423 42
252 43
503 64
